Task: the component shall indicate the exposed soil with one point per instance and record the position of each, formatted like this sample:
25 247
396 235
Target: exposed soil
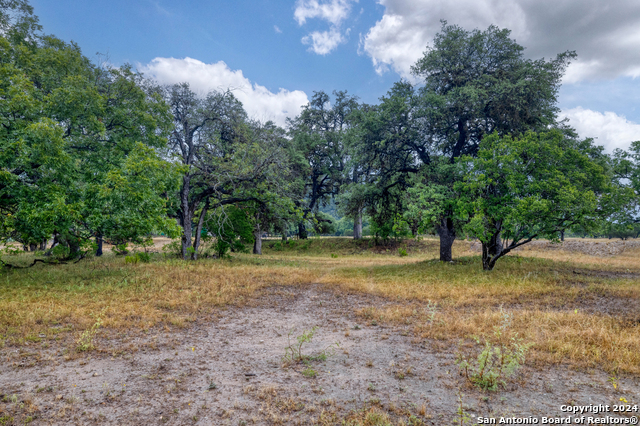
229 370
601 248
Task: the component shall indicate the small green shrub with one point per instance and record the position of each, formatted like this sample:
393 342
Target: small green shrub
6 420
60 251
144 256
232 230
498 361
402 252
121 249
309 373
293 352
462 417
85 342
174 248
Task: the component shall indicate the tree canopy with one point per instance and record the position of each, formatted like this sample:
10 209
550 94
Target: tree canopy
78 143
92 153
534 186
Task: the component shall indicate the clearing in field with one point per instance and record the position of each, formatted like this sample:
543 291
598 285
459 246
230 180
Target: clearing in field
326 331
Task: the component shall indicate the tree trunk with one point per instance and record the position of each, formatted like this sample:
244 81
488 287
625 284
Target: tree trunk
257 243
74 245
495 245
562 235
357 226
447 234
33 247
186 217
55 240
43 245
99 243
414 229
196 243
302 231
488 261
284 237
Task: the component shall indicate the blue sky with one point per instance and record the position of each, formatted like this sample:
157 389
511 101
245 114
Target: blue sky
276 53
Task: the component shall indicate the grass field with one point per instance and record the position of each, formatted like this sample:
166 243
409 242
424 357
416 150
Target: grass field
573 308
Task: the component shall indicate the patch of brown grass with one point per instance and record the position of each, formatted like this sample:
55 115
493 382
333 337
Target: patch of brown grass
573 307
579 313
34 300
584 340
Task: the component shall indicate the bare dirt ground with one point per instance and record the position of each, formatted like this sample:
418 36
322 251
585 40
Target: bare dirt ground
228 370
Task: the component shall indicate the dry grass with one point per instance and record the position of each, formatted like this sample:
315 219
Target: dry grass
173 292
585 340
574 307
628 259
584 312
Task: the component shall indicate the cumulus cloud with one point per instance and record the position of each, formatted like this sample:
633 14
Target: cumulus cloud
323 42
611 130
258 101
332 11
606 35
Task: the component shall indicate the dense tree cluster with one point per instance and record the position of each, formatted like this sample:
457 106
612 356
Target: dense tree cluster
92 153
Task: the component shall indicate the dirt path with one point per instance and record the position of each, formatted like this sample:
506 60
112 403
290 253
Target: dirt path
229 371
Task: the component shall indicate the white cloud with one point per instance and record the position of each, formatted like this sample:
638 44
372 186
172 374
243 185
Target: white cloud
611 130
332 11
323 42
277 29
606 35
258 101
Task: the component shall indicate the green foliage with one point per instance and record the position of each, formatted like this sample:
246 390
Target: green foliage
318 150
498 361
309 373
402 252
85 342
478 82
121 249
293 351
232 230
623 223
141 256
475 82
277 246
396 228
344 227
462 417
323 224
62 116
518 189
